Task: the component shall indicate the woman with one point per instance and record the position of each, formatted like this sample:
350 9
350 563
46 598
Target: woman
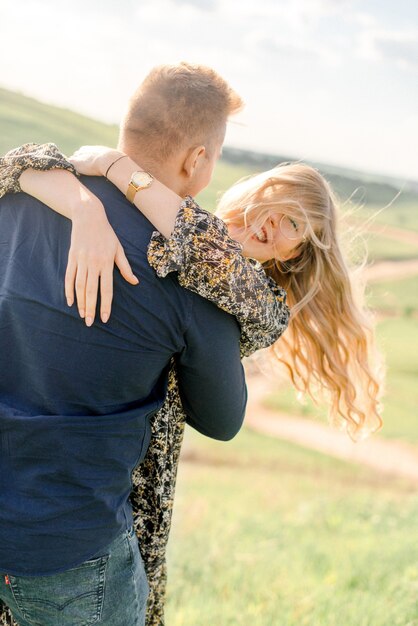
286 218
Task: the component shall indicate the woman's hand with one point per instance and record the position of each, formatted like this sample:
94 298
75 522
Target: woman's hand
95 247
94 250
94 160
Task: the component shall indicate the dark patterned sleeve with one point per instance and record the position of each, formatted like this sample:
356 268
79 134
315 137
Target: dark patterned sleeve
211 264
31 155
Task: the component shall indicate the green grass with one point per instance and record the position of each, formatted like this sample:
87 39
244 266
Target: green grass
286 401
402 214
399 295
396 338
382 248
266 533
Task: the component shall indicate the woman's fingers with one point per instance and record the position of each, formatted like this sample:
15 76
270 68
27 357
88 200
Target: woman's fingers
85 269
124 267
106 292
70 275
92 285
86 282
94 160
80 289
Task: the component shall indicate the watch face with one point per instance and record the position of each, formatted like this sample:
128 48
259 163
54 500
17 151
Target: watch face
141 179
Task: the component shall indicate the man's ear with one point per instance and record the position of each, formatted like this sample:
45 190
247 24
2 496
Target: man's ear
192 160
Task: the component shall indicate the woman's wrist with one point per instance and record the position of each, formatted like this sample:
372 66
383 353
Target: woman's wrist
157 202
60 190
121 171
108 159
85 206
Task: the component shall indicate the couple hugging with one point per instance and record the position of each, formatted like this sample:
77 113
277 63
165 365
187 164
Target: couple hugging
93 403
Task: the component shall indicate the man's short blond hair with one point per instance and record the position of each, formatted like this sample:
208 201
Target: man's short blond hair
177 106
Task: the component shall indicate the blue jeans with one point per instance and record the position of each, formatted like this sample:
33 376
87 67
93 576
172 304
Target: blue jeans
110 590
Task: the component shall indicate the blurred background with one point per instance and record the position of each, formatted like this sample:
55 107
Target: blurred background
291 523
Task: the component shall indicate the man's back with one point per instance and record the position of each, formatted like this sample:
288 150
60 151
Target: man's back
75 401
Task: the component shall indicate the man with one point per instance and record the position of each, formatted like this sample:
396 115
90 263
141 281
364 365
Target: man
75 402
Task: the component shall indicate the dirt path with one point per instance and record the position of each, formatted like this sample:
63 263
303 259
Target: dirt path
388 457
387 270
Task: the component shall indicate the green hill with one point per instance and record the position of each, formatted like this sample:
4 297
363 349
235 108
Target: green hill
24 119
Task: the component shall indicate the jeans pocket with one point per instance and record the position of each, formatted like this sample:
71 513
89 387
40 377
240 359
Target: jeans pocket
71 598
137 566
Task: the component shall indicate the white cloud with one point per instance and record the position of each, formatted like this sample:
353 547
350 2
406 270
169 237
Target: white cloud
398 48
379 43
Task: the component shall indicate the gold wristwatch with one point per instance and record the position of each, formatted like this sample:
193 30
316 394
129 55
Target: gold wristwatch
139 180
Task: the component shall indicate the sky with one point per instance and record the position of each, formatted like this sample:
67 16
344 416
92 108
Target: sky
332 81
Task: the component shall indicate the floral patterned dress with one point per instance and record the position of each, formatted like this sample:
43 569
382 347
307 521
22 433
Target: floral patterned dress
210 263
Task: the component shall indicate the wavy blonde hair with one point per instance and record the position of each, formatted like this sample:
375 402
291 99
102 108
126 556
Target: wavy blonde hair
329 348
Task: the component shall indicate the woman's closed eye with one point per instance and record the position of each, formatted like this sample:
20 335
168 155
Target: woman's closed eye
289 227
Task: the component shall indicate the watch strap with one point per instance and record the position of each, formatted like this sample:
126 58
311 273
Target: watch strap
131 192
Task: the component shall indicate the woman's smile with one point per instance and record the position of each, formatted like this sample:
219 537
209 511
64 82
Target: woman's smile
261 235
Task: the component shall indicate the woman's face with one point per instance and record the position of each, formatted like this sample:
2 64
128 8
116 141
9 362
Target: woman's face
278 238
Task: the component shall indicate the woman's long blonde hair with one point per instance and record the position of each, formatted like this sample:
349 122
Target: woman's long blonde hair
329 349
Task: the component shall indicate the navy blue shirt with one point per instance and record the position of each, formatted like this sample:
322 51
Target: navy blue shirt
75 402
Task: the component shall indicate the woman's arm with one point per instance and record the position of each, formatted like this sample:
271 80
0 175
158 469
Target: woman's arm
87 264
45 173
30 155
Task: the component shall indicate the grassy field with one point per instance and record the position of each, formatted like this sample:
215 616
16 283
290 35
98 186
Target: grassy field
269 534
399 296
382 248
403 214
